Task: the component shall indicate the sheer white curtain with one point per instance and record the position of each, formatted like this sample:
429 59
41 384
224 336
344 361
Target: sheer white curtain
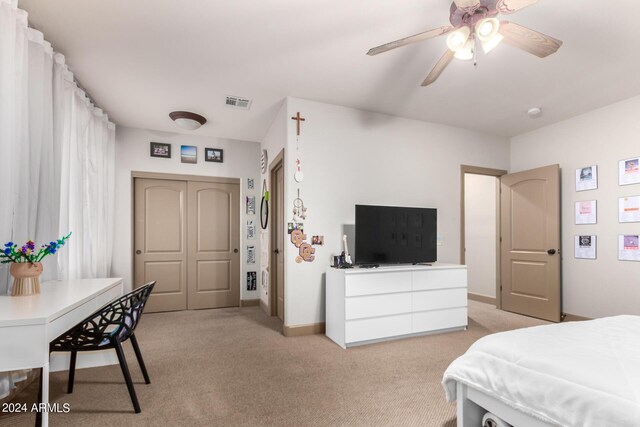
57 159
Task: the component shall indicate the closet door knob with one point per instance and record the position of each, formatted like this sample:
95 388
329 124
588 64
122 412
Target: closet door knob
551 251
138 252
235 251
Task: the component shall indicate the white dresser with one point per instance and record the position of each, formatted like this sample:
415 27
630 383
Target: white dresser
366 305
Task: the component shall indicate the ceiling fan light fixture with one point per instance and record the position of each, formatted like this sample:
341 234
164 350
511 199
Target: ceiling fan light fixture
487 28
187 120
458 39
466 53
488 46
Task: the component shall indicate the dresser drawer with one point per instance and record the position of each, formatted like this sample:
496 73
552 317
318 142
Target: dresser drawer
439 299
439 319
383 327
377 305
439 279
377 283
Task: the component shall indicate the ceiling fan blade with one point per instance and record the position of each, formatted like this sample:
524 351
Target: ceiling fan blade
411 39
467 5
531 41
506 7
439 68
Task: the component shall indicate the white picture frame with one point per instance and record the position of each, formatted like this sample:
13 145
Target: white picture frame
585 247
629 209
587 178
629 171
629 247
586 212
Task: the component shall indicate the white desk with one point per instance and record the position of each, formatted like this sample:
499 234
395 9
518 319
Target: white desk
29 323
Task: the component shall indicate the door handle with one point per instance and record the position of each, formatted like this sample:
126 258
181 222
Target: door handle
138 252
277 251
235 251
551 251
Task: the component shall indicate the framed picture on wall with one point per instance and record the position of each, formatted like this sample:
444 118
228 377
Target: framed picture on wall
159 149
213 155
629 171
586 212
585 247
188 154
587 178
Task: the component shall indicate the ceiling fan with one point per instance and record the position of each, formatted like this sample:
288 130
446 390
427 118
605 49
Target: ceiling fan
475 20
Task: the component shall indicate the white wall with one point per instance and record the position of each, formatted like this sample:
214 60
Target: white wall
274 142
241 160
605 286
351 156
480 216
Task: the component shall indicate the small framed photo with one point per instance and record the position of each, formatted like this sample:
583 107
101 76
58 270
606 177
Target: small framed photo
213 155
587 178
629 171
188 154
159 149
585 247
586 212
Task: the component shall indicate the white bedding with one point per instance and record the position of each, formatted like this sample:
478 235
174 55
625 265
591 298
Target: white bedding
570 374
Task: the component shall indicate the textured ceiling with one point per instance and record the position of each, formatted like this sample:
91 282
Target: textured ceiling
142 59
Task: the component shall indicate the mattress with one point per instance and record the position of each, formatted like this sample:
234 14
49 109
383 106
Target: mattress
569 374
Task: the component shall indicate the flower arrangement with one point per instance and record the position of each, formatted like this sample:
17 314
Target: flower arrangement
27 253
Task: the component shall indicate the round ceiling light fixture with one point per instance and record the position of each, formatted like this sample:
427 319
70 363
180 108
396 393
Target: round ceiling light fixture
187 120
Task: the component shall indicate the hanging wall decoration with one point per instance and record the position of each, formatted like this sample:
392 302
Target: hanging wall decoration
250 184
251 205
305 250
264 206
252 279
299 211
159 149
251 254
587 178
629 171
298 176
251 229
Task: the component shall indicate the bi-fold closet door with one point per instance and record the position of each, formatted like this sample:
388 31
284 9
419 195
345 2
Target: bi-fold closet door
186 237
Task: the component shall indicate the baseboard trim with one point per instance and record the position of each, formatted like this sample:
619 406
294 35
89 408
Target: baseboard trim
249 302
264 308
481 298
574 318
300 330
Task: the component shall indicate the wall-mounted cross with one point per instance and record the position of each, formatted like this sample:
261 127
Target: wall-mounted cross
299 119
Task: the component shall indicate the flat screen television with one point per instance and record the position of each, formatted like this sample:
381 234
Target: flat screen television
395 235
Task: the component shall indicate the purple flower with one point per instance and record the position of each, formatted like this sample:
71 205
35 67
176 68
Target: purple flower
31 245
24 249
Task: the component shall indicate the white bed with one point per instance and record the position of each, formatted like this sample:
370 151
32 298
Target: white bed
583 374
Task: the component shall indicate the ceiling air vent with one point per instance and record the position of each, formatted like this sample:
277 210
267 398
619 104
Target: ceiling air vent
237 102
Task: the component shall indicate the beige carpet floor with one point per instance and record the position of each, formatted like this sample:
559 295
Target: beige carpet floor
232 367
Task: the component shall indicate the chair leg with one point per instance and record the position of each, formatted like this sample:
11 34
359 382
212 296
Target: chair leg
39 414
127 376
72 371
136 348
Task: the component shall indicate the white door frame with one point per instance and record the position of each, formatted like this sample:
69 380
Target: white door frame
467 169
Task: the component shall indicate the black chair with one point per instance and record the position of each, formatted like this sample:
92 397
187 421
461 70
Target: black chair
108 328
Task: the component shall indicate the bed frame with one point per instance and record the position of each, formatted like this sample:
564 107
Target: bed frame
473 404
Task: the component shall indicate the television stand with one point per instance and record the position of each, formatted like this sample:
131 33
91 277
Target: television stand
371 305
